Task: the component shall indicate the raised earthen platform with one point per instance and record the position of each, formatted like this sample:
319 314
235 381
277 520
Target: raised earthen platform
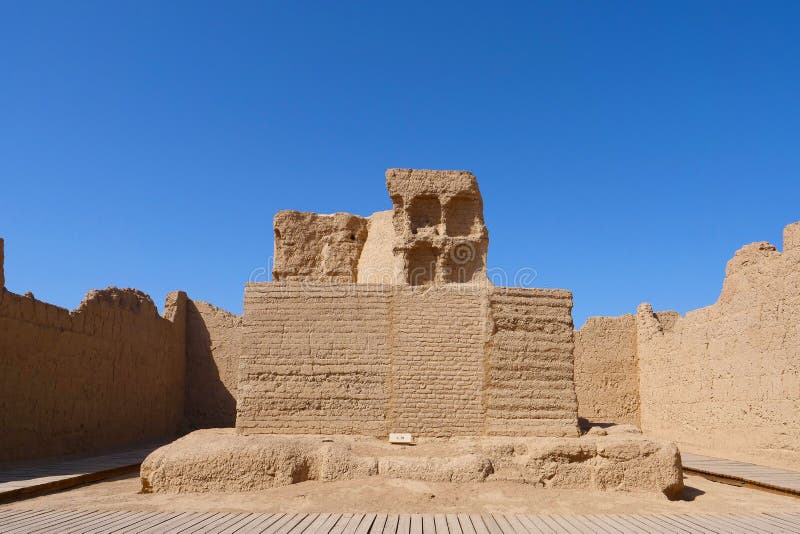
220 460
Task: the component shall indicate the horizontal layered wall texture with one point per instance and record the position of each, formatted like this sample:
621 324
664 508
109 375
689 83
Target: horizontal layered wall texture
436 361
108 374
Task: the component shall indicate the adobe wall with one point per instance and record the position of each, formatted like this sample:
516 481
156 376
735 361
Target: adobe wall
607 371
213 347
108 374
726 378
435 361
723 380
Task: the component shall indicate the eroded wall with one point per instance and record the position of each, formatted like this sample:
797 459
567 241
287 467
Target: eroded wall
213 347
606 370
436 361
316 247
726 378
109 374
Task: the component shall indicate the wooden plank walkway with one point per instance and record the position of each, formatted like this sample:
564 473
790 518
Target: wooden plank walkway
769 477
65 521
28 480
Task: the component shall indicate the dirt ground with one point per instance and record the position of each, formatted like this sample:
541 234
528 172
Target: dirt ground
403 496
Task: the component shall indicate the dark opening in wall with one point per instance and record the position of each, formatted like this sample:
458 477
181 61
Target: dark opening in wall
425 212
462 215
422 265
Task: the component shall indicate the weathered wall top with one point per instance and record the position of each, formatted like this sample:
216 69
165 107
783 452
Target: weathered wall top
411 183
435 234
316 247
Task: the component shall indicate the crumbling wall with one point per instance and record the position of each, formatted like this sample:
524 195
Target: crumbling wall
440 235
726 378
312 247
607 371
213 348
436 361
108 374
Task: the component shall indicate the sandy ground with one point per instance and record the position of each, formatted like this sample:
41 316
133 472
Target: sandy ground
403 496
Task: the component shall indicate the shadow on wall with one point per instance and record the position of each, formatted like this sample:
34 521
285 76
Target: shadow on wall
212 353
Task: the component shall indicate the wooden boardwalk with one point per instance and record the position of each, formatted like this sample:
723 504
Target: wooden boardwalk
770 477
65 521
28 480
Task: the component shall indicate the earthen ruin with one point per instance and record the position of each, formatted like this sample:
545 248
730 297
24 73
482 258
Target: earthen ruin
388 323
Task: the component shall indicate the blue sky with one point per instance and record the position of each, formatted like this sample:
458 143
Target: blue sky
624 150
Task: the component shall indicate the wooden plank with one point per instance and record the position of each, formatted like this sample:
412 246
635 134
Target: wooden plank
777 523
273 528
37 522
793 519
289 525
503 524
195 523
90 520
366 524
303 525
30 517
609 522
582 524
318 521
537 523
671 523
155 519
687 523
630 525
118 523
404 524
326 527
466 524
732 522
169 523
341 524
230 524
440 524
578 523
491 524
647 523
453 527
700 525
478 524
121 523
428 524
416 524
553 525
391 524
527 524
352 525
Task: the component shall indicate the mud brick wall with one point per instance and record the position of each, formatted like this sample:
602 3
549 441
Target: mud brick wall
213 347
607 370
530 368
315 359
109 374
438 337
436 361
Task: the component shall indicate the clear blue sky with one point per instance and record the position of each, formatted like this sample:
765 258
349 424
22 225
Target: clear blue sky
624 150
